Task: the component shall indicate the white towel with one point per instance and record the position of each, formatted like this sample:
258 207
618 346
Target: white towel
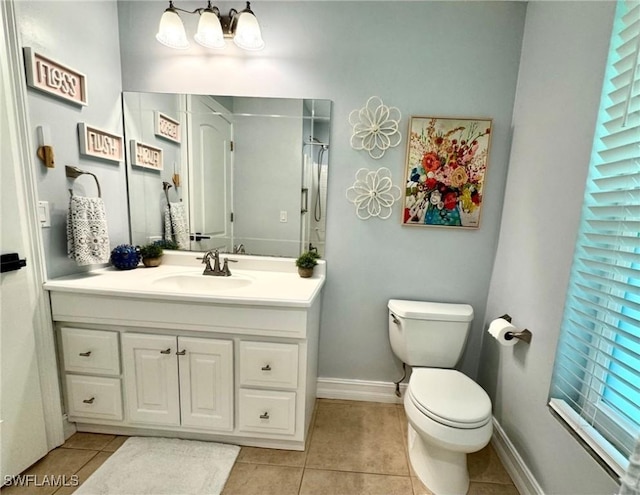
175 225
630 481
87 237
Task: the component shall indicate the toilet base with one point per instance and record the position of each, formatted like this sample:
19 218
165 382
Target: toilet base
442 471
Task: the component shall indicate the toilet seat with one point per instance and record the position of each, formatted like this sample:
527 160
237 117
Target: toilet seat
449 398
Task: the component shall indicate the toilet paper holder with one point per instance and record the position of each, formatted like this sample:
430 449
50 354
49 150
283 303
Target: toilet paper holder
525 335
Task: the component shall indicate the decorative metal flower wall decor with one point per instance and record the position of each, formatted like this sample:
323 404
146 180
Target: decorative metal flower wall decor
375 127
373 193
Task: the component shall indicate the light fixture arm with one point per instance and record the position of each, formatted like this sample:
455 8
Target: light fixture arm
200 10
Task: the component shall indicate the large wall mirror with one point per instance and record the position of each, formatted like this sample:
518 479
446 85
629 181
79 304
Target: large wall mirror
238 174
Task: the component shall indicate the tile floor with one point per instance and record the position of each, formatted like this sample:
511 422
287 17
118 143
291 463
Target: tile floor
355 448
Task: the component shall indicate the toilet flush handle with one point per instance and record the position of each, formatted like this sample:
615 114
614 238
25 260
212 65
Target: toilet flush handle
395 320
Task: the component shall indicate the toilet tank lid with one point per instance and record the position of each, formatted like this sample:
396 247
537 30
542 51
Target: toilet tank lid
422 310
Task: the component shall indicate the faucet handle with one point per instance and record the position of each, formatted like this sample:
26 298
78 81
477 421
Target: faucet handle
225 267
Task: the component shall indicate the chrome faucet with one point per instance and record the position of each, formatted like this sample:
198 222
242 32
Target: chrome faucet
216 271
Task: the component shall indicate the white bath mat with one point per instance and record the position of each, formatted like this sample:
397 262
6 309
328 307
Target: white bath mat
168 466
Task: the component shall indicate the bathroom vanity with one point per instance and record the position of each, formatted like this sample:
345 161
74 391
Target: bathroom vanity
168 351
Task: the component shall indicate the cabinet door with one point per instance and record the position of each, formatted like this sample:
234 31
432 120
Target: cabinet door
206 383
151 378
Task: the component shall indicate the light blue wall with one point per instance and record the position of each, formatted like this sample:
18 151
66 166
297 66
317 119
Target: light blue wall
83 36
426 58
563 59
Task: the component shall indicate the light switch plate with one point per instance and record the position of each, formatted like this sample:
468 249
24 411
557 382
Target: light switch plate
44 214
283 216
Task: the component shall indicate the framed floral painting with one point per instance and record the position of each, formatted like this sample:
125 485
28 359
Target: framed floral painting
445 171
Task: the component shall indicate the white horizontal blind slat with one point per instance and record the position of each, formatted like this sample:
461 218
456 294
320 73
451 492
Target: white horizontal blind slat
597 369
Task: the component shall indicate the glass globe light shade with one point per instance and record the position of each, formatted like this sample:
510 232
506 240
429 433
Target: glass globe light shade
171 31
210 31
248 35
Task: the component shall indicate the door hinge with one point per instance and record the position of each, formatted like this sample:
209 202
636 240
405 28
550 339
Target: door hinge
231 145
231 216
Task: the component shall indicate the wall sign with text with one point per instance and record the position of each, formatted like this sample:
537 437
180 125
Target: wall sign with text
97 143
44 74
145 155
167 127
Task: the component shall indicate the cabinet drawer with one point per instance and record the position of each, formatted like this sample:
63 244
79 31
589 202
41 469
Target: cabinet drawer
90 351
267 411
267 364
94 397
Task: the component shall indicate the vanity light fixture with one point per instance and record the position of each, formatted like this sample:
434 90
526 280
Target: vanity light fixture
213 28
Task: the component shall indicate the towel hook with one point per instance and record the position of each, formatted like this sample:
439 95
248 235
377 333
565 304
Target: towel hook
75 172
165 187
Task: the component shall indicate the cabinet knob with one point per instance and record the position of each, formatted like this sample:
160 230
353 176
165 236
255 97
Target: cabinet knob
166 351
181 353
85 354
264 416
89 401
266 368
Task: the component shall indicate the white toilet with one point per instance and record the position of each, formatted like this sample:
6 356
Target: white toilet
449 414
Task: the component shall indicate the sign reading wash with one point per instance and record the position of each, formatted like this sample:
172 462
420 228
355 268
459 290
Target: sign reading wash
145 155
97 143
54 78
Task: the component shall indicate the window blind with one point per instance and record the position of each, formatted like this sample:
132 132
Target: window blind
595 387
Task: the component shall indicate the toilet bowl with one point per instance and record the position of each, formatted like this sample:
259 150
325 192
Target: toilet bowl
449 416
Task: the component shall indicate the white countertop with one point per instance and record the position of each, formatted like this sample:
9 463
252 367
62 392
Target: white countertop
267 281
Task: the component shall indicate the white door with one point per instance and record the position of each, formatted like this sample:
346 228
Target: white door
206 383
151 378
22 423
210 174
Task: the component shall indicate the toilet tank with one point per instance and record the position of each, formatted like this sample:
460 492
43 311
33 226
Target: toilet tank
428 334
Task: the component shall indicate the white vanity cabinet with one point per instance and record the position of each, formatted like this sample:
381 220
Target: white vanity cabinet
220 362
175 380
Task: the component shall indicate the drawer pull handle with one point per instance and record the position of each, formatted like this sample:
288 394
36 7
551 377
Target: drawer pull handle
266 368
181 353
167 351
85 354
89 401
264 416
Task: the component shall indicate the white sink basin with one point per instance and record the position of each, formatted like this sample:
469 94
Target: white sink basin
200 283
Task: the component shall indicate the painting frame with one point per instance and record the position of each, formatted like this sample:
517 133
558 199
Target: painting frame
445 171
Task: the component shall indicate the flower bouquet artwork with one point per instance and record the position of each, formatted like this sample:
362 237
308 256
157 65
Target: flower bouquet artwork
445 171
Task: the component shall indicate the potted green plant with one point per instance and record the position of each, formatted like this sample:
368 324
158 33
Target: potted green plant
151 254
305 263
167 244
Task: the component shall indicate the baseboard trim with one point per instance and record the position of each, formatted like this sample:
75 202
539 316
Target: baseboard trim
362 390
521 475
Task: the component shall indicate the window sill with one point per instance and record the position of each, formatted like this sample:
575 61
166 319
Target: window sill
614 462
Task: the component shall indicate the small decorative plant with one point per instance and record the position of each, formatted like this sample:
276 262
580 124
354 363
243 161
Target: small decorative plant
305 263
167 244
151 254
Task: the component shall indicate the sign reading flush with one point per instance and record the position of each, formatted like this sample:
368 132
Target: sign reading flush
145 155
97 143
54 78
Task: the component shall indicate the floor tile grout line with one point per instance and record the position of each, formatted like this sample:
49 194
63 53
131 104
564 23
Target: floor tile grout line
358 472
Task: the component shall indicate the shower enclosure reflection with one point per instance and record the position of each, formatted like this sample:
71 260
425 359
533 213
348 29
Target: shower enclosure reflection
245 172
